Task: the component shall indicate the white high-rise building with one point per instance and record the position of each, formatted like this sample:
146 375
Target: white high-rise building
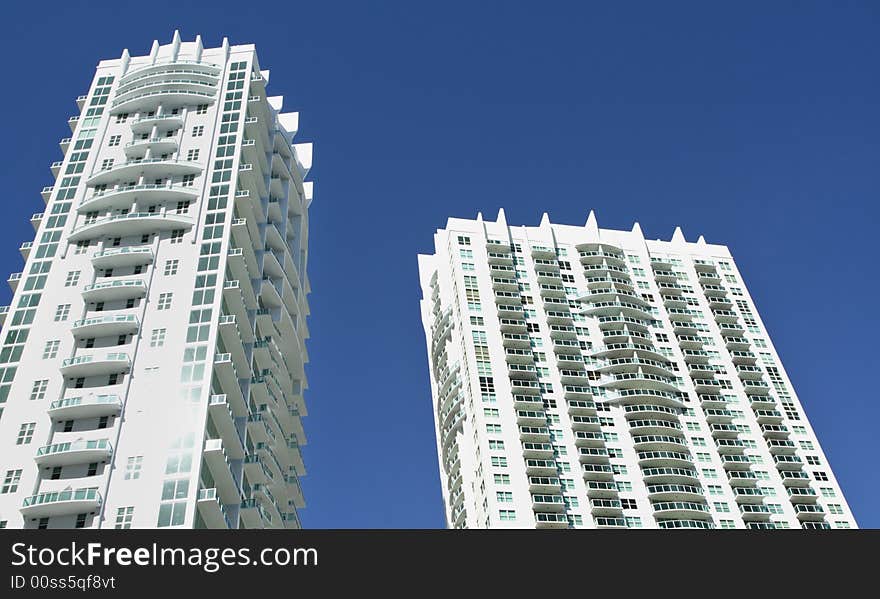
591 378
152 365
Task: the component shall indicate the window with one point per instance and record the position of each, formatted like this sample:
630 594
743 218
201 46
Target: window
10 482
499 461
628 504
171 267
502 479
835 508
81 246
813 460
124 516
172 512
107 164
61 312
133 467
624 486
821 476
121 118
727 524
721 507
51 349
72 278
192 154
198 130
827 492
633 522
25 433
202 109
157 338
81 520
177 236
56 473
114 140
38 391
43 523
164 301
504 497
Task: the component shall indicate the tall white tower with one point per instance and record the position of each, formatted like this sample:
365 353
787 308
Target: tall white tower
152 366
590 378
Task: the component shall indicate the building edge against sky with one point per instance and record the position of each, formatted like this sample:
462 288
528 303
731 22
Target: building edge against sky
152 366
591 378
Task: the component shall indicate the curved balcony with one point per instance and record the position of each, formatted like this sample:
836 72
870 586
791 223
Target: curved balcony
680 509
665 458
104 326
596 253
636 364
149 168
157 146
659 443
163 122
660 475
61 503
705 524
74 452
169 92
613 307
133 223
621 350
90 406
94 365
114 290
119 257
675 492
170 67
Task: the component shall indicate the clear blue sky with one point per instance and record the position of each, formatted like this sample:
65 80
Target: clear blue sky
755 124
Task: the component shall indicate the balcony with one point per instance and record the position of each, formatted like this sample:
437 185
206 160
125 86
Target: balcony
795 478
788 462
699 524
61 503
544 484
224 422
150 96
121 257
536 467
675 492
74 452
25 249
588 439
665 458
89 406
550 520
13 281
659 442
548 503
535 450
219 463
157 145
105 326
36 219
125 195
133 223
605 507
597 472
680 509
149 168
164 122
208 504
806 511
599 488
654 476
114 290
95 365
538 434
